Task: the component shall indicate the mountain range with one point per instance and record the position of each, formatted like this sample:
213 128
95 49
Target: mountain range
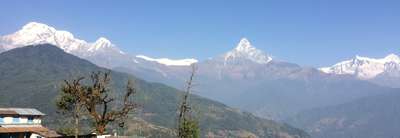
104 53
31 76
384 71
244 77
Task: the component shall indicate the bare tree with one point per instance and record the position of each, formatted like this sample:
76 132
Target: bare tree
96 101
187 126
71 101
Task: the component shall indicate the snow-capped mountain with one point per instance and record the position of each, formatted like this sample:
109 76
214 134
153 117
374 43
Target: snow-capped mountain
103 45
364 67
244 77
245 51
37 33
170 62
101 52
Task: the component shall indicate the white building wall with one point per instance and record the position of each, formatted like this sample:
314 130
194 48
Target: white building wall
37 120
8 120
23 120
36 136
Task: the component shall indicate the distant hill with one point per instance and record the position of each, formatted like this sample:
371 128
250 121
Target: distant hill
31 76
370 117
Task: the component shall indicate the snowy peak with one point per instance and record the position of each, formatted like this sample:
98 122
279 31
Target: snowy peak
244 45
104 42
245 51
35 33
103 45
100 44
169 62
364 67
37 28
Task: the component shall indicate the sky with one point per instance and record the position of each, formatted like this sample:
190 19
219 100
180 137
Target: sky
307 32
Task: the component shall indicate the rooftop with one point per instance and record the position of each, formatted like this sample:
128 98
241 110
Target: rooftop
20 111
38 130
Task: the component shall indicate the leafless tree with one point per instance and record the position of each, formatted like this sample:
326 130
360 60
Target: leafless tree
187 127
96 100
71 101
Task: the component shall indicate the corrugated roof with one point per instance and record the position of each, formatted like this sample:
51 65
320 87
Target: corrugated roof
22 111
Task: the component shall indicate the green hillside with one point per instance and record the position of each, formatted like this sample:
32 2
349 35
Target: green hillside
31 77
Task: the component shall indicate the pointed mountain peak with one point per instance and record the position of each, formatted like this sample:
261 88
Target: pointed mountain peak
101 43
104 45
245 51
244 45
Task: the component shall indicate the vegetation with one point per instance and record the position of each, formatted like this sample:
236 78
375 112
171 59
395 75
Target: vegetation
71 102
187 126
96 99
33 76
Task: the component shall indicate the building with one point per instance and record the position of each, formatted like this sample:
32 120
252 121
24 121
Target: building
23 123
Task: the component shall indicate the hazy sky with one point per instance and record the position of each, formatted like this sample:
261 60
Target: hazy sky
307 32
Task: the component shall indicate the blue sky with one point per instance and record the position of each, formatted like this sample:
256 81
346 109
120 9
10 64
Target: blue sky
307 32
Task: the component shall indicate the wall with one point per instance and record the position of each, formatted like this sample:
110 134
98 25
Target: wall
35 136
22 120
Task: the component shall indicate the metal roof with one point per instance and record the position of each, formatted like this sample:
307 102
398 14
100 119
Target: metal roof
22 111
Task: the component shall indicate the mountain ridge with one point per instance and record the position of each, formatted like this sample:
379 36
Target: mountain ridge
34 33
362 67
382 71
31 74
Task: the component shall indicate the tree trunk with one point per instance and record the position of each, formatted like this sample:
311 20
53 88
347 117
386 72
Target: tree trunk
101 129
76 122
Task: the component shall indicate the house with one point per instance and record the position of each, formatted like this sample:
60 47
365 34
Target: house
23 123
